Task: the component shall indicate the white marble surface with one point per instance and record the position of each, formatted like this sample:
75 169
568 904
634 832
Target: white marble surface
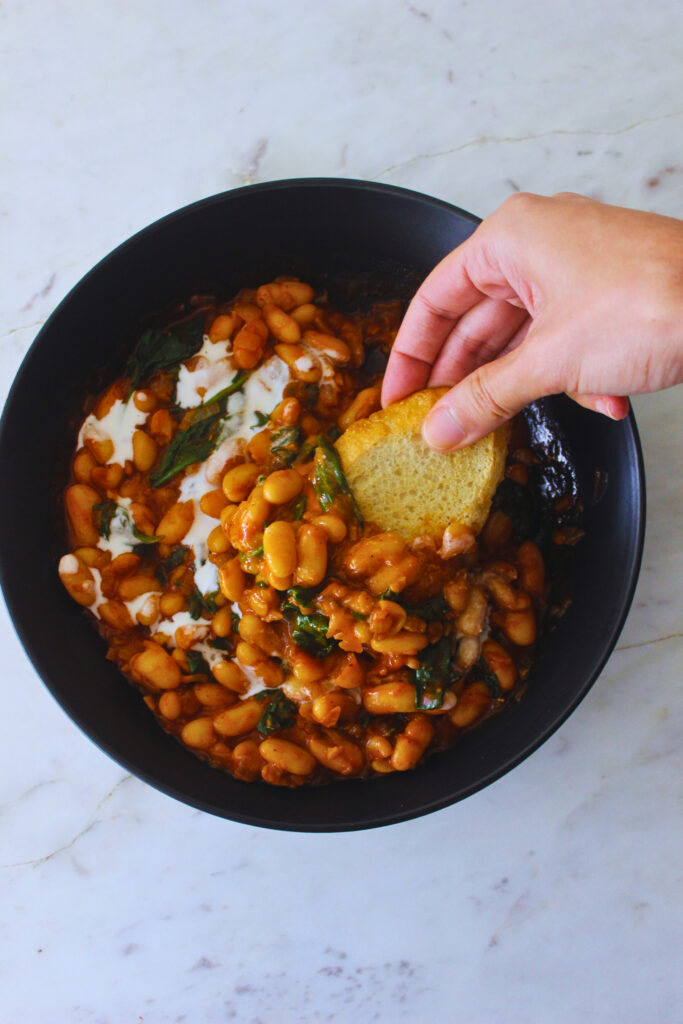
549 898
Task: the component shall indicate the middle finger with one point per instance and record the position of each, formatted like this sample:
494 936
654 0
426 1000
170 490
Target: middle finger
479 336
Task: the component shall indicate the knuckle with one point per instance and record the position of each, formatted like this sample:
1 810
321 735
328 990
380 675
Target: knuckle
484 399
519 202
573 196
433 308
475 345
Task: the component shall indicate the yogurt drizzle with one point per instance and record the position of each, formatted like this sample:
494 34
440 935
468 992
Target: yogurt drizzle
210 370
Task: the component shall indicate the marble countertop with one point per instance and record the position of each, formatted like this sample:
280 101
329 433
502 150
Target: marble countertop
548 898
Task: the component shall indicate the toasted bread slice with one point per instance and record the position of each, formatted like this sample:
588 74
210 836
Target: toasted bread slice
402 485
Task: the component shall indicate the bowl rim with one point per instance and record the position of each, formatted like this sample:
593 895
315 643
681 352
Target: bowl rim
288 823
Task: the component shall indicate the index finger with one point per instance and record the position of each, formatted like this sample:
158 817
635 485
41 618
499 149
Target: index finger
443 296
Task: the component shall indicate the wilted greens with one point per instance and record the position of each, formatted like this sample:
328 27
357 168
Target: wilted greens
160 349
105 512
329 482
279 713
309 627
197 663
199 438
433 675
284 444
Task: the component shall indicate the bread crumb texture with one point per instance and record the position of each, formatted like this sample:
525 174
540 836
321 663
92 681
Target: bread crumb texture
402 485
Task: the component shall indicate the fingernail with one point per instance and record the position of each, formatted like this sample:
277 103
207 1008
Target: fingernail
604 405
441 430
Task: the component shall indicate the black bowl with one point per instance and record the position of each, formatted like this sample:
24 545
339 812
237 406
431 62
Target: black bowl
387 239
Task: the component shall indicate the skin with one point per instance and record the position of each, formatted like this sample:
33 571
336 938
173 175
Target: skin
548 295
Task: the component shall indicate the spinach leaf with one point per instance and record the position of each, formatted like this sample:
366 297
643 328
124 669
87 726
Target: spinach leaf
307 394
196 442
222 397
299 507
144 538
103 513
309 628
284 444
210 601
279 713
159 349
197 663
176 558
261 419
433 675
165 568
329 482
286 436
195 604
219 643
489 677
309 632
302 597
520 503
198 603
306 450
244 556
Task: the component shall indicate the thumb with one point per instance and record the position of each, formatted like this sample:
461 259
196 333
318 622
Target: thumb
482 401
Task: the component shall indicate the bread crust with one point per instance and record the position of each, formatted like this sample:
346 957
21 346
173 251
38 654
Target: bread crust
462 482
403 417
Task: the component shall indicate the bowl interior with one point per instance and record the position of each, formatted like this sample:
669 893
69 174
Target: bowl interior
361 240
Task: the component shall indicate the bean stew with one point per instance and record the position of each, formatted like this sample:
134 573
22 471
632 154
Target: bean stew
217 546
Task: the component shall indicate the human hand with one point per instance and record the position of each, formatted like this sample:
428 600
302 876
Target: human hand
548 295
